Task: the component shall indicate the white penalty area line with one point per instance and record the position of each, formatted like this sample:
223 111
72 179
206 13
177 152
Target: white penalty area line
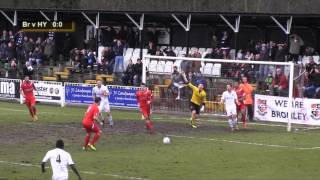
243 142
83 172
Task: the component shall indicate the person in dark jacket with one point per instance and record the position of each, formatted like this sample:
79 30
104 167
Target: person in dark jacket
137 72
127 78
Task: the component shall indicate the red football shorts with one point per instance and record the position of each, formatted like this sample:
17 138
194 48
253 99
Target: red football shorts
240 107
30 101
145 110
91 128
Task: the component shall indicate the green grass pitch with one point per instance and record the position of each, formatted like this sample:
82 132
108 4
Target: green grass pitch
128 152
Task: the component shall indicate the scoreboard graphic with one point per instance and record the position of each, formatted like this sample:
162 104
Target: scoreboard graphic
47 26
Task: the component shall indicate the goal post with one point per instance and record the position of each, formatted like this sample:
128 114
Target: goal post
147 59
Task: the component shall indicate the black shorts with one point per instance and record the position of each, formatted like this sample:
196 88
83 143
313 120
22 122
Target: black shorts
195 107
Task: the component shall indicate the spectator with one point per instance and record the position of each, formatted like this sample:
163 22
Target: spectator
214 41
311 66
313 87
39 42
91 44
211 54
295 45
249 56
127 78
279 85
28 70
151 48
309 51
225 41
268 82
19 47
12 71
107 36
91 59
191 78
107 61
170 52
280 55
36 57
158 52
177 81
9 51
137 73
118 50
240 55
49 50
83 60
11 36
4 37
28 45
264 56
272 50
67 46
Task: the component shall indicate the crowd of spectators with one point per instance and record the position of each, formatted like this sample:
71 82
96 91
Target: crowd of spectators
31 52
19 49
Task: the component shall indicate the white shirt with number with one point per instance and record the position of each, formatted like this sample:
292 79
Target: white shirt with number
60 160
229 99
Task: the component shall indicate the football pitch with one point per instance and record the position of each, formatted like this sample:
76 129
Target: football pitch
262 151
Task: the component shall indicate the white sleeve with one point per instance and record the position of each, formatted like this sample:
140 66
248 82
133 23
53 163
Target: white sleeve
94 92
106 89
223 96
69 159
47 157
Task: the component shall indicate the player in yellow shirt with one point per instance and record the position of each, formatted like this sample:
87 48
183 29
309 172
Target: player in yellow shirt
197 100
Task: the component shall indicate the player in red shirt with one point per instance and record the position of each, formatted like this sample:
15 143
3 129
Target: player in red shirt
90 124
241 108
26 90
144 97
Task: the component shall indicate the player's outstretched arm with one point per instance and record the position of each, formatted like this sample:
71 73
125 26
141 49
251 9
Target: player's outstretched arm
43 169
74 169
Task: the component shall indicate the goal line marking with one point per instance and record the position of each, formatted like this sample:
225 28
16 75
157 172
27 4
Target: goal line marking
83 172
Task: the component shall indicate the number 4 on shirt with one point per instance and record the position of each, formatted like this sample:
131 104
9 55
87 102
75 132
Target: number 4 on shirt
58 159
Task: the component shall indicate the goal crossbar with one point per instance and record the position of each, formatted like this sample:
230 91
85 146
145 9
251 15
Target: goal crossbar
290 64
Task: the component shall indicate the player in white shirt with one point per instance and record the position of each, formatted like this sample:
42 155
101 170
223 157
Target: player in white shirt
60 160
229 98
102 91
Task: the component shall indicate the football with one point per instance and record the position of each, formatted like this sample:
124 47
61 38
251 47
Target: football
166 140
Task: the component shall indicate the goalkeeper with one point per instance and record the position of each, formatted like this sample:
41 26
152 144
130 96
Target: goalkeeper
197 100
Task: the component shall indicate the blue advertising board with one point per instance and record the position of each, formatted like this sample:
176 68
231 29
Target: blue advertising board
120 96
78 94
